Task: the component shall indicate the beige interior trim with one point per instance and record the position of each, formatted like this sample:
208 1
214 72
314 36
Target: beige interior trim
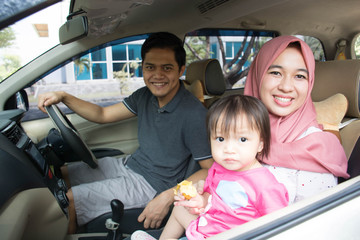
33 214
341 76
349 136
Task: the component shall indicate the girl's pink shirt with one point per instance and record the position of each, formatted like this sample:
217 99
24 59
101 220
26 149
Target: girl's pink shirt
317 152
237 198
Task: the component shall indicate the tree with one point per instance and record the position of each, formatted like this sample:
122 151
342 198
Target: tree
124 76
197 48
316 47
80 65
7 37
234 69
357 47
10 64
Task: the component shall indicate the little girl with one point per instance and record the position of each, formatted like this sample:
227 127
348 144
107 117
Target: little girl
238 189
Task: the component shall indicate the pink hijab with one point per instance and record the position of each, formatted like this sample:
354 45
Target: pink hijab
317 152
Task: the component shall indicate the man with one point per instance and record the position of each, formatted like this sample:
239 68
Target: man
171 131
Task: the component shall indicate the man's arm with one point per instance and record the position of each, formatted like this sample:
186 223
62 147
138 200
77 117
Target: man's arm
157 209
203 172
87 110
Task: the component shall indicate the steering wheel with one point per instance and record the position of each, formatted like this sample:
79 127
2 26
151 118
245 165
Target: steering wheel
71 135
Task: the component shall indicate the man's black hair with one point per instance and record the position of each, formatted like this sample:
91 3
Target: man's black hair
165 40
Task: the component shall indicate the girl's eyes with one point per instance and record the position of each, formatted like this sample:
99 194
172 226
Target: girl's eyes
243 139
220 139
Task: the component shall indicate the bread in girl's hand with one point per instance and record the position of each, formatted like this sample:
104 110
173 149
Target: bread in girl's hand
186 189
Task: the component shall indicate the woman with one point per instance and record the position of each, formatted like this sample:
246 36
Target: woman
302 157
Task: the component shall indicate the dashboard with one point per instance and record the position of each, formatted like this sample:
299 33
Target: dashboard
25 165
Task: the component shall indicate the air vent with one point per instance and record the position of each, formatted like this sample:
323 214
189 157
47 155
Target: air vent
12 132
209 5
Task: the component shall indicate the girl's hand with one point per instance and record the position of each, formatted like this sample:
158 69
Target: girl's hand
195 205
200 186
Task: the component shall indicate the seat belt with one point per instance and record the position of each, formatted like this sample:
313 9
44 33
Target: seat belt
354 160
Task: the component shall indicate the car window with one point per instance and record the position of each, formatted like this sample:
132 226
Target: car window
235 50
103 75
23 41
14 10
355 47
315 45
107 74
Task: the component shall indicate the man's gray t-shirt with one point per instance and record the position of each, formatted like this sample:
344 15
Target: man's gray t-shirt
169 137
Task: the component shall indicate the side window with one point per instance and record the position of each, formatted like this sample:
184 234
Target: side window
315 45
104 75
355 47
235 50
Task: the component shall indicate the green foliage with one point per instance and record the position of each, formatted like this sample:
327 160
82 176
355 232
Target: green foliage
123 77
7 37
81 64
197 48
235 68
316 47
357 47
10 64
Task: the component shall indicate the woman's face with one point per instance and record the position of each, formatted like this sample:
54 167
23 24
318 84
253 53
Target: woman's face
285 84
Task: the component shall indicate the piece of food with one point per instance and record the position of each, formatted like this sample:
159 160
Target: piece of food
186 189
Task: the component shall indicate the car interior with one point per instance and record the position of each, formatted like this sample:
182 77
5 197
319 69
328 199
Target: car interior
33 202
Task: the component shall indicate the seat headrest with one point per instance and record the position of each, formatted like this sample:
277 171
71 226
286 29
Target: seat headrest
209 72
338 76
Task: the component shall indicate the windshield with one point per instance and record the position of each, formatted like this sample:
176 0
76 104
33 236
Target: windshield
30 37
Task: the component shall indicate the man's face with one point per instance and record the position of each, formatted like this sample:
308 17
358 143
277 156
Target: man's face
161 74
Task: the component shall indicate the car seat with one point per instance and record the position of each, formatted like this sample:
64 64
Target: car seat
342 76
205 80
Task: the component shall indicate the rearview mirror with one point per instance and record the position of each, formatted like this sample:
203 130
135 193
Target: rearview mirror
73 29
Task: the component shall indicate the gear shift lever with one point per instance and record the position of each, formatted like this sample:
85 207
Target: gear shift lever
112 223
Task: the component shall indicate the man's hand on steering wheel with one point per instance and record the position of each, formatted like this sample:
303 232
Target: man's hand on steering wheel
47 99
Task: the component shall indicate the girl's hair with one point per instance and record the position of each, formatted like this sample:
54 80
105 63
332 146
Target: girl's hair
230 108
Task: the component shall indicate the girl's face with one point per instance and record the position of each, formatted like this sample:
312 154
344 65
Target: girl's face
285 84
237 150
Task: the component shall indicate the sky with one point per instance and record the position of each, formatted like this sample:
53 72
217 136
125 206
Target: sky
28 44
